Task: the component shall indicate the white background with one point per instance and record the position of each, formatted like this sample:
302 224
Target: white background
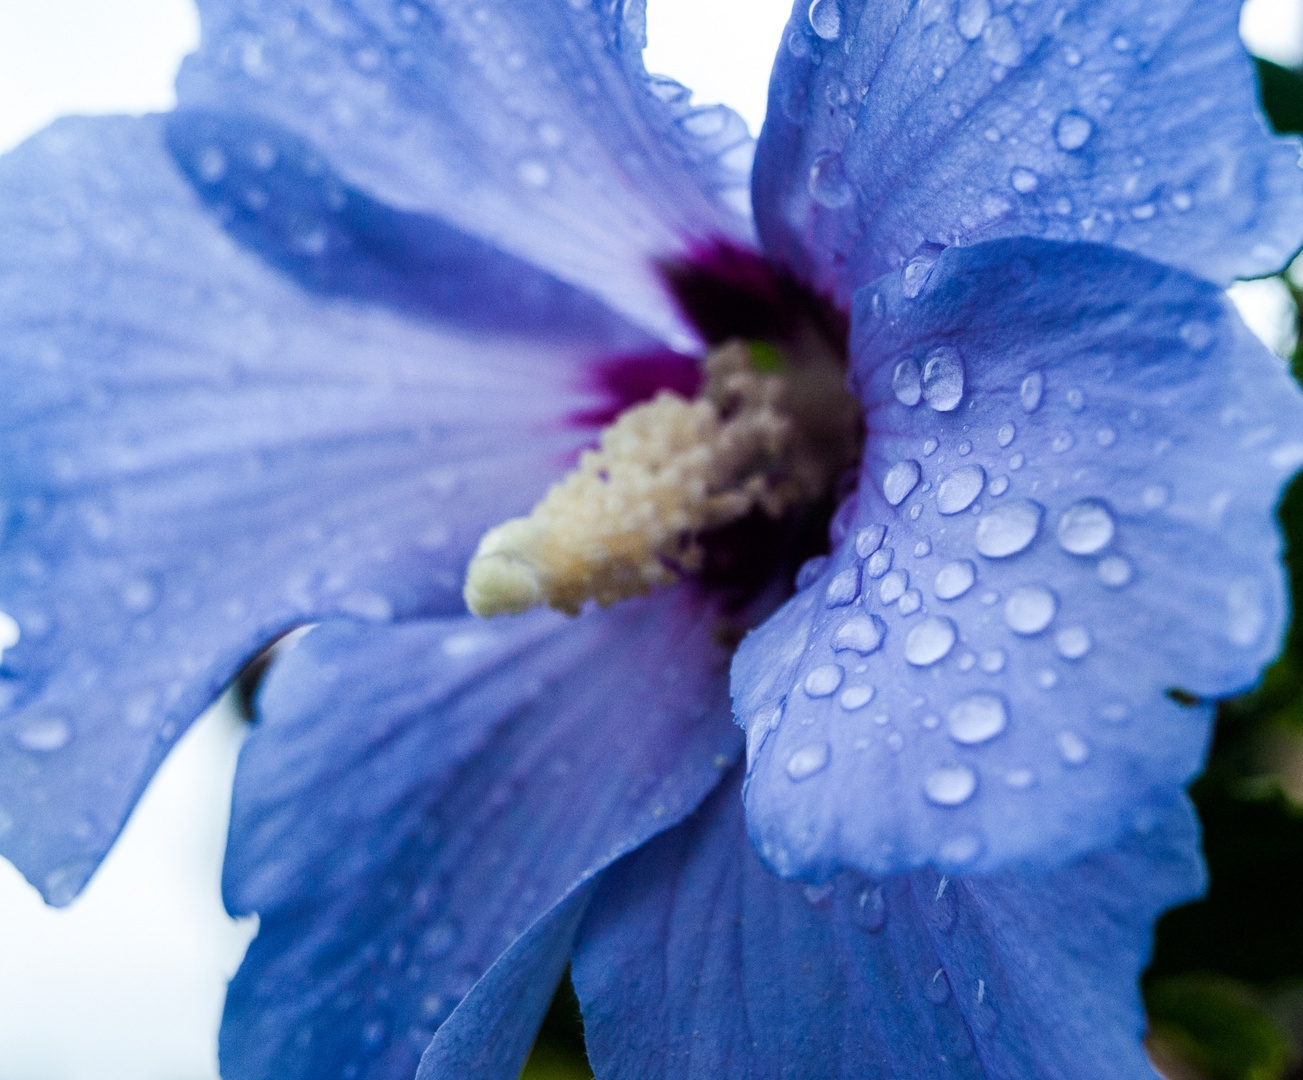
127 983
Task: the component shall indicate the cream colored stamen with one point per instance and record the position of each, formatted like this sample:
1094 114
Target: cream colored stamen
631 516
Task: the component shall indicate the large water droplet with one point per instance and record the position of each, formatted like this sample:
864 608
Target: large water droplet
826 19
807 761
1031 391
930 641
855 697
1008 528
1086 527
1072 130
844 587
1073 642
893 586
867 541
950 785
901 479
959 489
869 909
828 184
907 383
44 734
1024 181
943 379
824 680
977 719
1030 609
1073 748
1000 42
971 18
954 579
861 633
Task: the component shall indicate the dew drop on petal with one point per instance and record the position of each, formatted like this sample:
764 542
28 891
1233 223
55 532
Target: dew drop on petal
879 563
998 486
971 18
855 697
1020 779
1030 609
1000 42
954 579
1008 529
901 479
907 383
943 379
1073 748
860 633
910 602
992 661
826 19
1072 130
869 909
824 680
1246 611
930 447
977 719
950 785
1155 496
828 184
893 586
1031 391
929 641
1024 181
44 734
868 540
844 587
916 274
1114 571
1086 527
923 548
807 761
1004 436
1073 642
960 488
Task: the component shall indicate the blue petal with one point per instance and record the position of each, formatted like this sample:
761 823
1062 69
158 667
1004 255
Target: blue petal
416 797
529 125
1073 459
894 128
197 452
696 963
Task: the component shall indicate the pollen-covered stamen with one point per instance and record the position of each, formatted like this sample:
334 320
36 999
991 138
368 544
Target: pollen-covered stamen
765 433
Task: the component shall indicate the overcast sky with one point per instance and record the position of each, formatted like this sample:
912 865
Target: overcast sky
127 983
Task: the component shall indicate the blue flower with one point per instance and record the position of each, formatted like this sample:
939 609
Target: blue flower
285 356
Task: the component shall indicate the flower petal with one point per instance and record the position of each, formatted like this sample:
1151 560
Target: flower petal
198 452
911 125
1065 513
695 962
417 796
530 125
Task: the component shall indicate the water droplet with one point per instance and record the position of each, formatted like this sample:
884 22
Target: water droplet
844 587
1008 528
533 173
828 184
212 165
1030 609
1076 399
44 734
869 909
1047 678
1073 748
139 595
943 379
929 641
856 697
910 602
1072 131
1062 442
992 661
950 785
860 633
977 719
959 489
1016 462
1031 391
954 579
810 572
879 563
1106 437
1006 433
1154 496
9 632
1073 642
937 988
1182 201
440 939
1000 42
867 541
807 761
1197 334
916 274
826 19
965 448
816 895
1024 181
1246 611
893 586
971 17
1114 571
900 480
930 447
1086 527
907 383
923 548
998 486
824 680
959 851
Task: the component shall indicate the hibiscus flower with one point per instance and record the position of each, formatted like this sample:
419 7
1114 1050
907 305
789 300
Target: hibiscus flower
949 476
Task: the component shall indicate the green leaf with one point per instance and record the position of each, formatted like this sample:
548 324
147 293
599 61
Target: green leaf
1218 1027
